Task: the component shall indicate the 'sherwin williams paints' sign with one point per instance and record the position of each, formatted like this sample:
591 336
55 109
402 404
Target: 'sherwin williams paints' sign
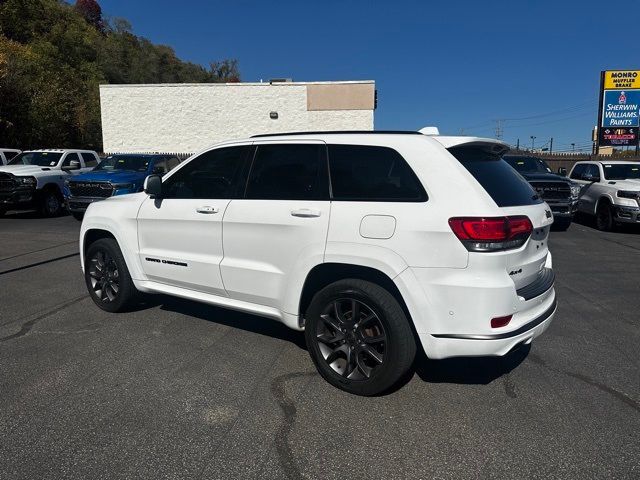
619 111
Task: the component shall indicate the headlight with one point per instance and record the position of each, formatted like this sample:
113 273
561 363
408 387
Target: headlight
628 194
575 190
26 181
123 186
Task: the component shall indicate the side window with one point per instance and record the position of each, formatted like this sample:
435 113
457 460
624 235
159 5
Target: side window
172 163
160 166
592 172
215 174
89 159
70 158
289 172
10 155
578 171
371 173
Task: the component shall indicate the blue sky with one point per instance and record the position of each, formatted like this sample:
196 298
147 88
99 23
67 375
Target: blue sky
457 65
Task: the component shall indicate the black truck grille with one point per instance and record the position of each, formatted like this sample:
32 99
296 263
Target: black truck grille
552 190
91 189
6 182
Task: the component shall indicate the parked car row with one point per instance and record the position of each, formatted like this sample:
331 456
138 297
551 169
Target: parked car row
51 179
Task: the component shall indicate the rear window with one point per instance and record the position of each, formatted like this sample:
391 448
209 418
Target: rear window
505 186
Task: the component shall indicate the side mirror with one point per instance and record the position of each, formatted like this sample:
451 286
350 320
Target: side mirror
153 186
73 165
562 171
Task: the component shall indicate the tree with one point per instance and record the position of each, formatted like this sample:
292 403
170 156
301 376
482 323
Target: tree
92 13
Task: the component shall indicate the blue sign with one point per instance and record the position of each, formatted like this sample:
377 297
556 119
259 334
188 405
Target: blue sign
621 108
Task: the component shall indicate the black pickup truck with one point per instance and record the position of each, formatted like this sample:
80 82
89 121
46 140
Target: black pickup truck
560 193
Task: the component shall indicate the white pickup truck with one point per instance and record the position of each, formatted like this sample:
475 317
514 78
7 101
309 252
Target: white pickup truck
35 179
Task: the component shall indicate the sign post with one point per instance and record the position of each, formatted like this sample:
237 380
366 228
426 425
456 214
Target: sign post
619 109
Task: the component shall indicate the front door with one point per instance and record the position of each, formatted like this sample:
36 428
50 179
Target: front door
276 233
180 234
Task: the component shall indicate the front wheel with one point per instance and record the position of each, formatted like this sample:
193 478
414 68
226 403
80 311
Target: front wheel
50 203
604 217
107 276
359 337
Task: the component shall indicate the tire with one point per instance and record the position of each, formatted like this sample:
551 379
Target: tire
561 225
50 203
107 277
78 215
380 345
604 217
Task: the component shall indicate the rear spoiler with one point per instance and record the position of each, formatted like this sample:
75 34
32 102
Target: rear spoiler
489 145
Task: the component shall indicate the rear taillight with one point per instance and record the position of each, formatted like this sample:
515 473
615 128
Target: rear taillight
491 234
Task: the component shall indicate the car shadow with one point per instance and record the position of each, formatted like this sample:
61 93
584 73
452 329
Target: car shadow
469 370
230 318
589 222
28 215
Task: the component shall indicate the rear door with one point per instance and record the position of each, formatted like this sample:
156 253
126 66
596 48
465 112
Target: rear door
280 227
180 234
514 197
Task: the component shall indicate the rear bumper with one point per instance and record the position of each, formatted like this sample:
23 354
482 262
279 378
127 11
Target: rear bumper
493 344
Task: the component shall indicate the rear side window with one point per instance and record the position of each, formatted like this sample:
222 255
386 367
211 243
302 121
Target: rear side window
89 159
371 173
288 172
505 186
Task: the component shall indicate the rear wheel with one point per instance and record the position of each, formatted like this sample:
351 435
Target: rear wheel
50 203
604 217
107 276
359 337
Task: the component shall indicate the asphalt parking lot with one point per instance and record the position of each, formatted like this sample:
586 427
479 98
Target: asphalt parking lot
183 390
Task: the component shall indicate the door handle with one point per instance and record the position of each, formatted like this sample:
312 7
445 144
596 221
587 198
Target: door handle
305 213
207 209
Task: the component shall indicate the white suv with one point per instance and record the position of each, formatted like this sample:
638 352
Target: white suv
609 190
371 242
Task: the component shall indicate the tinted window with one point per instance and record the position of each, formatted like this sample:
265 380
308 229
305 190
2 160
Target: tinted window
214 174
41 159
577 171
288 172
369 173
592 171
89 159
124 162
72 157
502 183
528 164
160 166
173 162
10 155
622 171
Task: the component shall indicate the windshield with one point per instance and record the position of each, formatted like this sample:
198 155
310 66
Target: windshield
124 162
528 164
40 159
621 171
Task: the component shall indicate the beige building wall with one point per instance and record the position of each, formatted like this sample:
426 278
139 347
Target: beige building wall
186 118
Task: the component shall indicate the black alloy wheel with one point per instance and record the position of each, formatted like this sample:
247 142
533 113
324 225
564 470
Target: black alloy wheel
351 338
104 276
604 217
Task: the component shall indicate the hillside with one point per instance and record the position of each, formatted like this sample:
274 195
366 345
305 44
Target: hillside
53 56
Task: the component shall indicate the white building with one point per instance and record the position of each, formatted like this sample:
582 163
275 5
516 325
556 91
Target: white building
184 118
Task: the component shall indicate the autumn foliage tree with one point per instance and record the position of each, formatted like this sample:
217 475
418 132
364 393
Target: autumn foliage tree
92 13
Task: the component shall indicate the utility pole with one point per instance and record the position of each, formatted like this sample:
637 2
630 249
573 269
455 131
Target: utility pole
499 129
573 147
551 145
533 138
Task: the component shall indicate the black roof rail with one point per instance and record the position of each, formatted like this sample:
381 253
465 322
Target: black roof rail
340 132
